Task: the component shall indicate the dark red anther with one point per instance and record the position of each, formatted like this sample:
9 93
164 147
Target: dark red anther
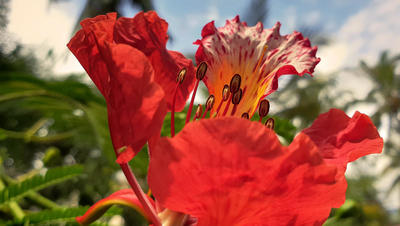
245 115
225 93
235 83
181 75
201 70
210 102
199 111
270 123
237 97
263 109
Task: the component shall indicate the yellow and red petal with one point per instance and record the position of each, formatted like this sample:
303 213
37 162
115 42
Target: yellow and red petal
124 197
148 33
258 55
342 139
231 171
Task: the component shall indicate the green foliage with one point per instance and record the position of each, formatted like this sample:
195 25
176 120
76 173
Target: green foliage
37 182
60 215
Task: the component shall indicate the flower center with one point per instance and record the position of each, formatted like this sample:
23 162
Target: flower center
232 97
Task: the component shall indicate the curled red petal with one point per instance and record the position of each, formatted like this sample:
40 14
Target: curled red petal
148 33
136 105
124 75
83 46
259 55
342 139
231 171
124 197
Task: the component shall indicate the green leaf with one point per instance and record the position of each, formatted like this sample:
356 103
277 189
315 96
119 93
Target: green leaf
61 214
37 182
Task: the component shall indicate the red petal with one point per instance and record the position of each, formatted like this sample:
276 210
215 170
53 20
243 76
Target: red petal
231 171
125 77
148 33
124 197
342 139
83 46
136 106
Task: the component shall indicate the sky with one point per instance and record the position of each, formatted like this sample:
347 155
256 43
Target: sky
357 30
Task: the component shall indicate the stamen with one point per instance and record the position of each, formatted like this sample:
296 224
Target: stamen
209 104
225 96
225 92
200 73
237 97
181 75
245 115
270 123
236 100
179 80
263 109
201 70
198 112
235 83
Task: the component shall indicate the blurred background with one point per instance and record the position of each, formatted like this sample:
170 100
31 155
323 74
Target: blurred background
56 157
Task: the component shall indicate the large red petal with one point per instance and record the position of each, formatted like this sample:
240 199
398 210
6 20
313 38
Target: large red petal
124 197
148 33
231 171
342 139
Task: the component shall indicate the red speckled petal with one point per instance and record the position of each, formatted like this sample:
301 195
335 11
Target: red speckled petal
342 139
238 49
231 171
148 33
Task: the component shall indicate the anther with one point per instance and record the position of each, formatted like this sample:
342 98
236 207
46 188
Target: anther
210 102
225 93
263 108
270 123
235 83
181 75
201 70
245 115
237 97
198 111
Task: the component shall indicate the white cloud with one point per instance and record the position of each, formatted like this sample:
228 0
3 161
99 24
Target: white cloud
43 26
371 31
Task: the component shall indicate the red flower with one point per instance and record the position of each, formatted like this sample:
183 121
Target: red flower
226 171
232 171
128 62
259 56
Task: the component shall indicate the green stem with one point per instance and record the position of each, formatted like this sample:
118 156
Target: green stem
15 209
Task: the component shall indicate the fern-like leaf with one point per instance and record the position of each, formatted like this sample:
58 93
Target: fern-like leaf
37 182
59 215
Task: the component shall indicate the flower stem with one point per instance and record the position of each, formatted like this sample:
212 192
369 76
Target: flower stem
147 207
